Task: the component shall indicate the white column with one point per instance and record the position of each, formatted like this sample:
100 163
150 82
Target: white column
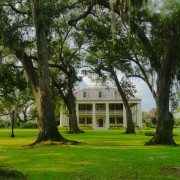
139 120
77 112
94 116
124 117
61 117
107 115
65 117
66 120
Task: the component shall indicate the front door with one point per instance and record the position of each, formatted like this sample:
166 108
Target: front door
100 122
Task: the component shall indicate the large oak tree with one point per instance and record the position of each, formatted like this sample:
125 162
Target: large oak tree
106 60
17 19
65 62
164 62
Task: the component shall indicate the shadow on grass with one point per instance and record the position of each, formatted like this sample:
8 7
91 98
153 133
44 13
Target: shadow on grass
10 173
51 143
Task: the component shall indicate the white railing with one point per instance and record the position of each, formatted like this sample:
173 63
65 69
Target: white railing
100 111
135 112
115 111
85 111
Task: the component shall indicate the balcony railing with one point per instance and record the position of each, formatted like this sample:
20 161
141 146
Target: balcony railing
101 112
85 111
115 111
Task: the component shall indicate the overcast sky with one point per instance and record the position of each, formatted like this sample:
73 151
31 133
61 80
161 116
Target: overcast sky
143 92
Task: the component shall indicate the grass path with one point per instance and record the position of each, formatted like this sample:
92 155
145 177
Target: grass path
106 155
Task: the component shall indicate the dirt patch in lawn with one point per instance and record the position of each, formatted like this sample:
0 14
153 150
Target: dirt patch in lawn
173 171
10 173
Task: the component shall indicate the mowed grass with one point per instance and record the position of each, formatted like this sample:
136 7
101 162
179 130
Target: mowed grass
106 155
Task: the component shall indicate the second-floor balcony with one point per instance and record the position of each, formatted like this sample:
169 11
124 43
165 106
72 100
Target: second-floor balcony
100 111
115 111
85 111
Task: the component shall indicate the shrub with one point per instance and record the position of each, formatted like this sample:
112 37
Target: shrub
177 122
148 122
2 125
29 125
149 133
85 127
114 127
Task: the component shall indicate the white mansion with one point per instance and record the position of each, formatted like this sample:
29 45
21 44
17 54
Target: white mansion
101 108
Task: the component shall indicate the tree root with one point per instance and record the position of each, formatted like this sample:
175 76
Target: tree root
154 142
52 142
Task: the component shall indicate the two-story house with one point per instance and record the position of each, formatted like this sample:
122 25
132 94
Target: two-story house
101 107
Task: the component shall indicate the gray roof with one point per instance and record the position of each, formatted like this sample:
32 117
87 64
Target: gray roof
92 94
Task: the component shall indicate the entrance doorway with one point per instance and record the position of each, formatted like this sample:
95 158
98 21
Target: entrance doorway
100 122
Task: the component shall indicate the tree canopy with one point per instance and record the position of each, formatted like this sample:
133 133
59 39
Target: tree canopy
140 38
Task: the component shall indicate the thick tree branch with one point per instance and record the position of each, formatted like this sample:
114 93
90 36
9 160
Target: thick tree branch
60 67
134 28
84 15
28 66
74 5
18 11
170 47
15 9
58 87
145 78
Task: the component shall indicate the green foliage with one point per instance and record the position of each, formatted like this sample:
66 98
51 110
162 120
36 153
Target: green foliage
177 122
152 133
14 91
100 48
149 133
11 79
170 6
128 87
148 122
4 124
29 125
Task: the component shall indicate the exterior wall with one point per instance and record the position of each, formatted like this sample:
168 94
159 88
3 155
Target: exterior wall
103 114
101 108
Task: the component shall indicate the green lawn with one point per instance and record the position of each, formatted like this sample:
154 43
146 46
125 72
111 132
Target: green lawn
106 155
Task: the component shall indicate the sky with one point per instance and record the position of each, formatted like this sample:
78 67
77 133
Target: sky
143 93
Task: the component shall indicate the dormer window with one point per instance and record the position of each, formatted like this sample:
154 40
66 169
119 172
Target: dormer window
100 94
84 94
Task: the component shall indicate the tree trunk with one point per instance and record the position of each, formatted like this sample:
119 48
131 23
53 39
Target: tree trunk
73 126
163 67
43 96
71 106
46 119
165 120
69 101
130 125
